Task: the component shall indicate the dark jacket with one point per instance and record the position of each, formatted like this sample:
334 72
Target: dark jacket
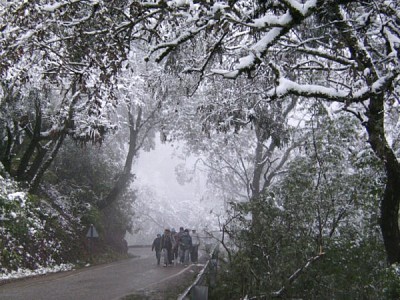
156 244
185 241
167 241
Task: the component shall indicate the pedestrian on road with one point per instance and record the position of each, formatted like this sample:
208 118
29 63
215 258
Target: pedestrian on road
157 247
178 242
186 245
166 246
175 246
194 254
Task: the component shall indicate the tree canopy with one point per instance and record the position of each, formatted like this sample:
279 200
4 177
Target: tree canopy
228 66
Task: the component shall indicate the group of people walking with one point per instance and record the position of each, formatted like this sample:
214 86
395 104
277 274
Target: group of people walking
176 247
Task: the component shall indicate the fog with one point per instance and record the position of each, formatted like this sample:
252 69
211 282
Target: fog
170 194
156 169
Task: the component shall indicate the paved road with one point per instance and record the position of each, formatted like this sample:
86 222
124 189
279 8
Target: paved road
108 282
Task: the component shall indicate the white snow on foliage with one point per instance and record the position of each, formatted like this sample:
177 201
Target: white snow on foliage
270 20
51 7
303 8
19 196
20 211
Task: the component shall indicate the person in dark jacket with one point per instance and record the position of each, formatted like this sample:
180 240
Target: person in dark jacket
178 244
166 247
175 246
157 246
185 244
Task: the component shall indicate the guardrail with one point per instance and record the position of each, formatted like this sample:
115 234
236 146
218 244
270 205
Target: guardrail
198 290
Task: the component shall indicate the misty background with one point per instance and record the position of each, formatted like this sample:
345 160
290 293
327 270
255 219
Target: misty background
171 192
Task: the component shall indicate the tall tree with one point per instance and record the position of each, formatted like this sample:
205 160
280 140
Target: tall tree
245 141
320 208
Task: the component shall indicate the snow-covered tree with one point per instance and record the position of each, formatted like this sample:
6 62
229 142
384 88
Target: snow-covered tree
343 52
346 52
316 221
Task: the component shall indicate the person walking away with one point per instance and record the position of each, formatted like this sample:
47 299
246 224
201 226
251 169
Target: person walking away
157 247
166 246
175 246
178 242
194 254
186 245
171 253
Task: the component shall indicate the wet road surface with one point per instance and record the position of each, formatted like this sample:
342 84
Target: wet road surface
108 282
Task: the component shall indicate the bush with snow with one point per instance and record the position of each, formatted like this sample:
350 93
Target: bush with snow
28 230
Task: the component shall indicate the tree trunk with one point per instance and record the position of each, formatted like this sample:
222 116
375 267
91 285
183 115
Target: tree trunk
390 212
6 158
34 184
114 234
124 178
35 138
389 206
37 162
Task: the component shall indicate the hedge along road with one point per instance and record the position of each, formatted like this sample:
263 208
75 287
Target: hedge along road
108 282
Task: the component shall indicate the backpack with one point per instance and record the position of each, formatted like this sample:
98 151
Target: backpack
185 241
167 242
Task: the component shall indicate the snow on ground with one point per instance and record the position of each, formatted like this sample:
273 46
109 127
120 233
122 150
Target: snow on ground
23 273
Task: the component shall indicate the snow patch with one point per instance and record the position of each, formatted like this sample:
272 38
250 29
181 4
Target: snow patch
22 273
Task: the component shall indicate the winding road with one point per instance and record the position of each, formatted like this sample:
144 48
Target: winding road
108 282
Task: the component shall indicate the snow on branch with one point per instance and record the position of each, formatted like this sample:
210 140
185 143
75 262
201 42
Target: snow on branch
267 21
303 9
289 87
57 6
170 46
297 274
278 27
